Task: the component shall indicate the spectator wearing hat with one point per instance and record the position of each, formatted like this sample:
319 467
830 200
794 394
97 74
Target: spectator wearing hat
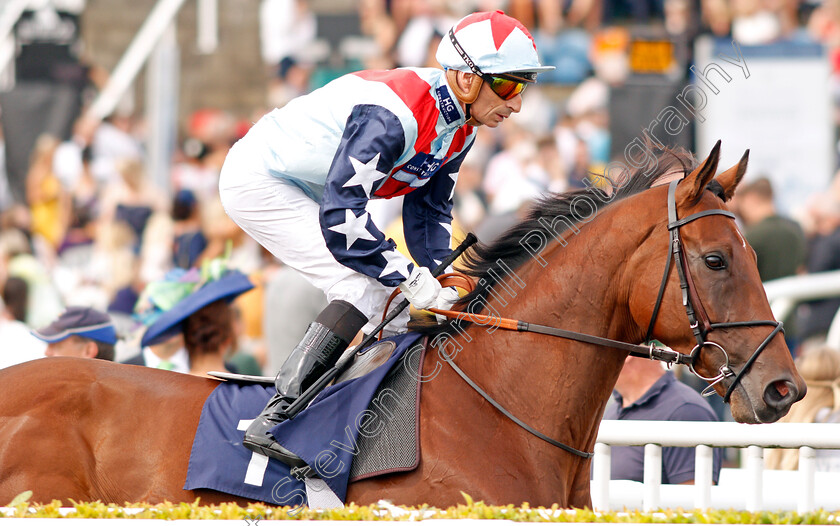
204 317
82 332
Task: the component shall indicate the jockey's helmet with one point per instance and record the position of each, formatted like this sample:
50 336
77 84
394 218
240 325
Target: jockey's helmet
490 43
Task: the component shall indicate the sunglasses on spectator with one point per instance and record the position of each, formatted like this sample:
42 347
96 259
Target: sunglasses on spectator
504 85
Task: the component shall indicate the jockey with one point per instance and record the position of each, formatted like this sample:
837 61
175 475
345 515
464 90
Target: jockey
300 180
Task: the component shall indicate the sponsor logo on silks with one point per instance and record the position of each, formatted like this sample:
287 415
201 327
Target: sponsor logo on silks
423 165
447 105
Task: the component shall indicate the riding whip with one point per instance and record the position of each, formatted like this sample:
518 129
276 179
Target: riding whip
303 400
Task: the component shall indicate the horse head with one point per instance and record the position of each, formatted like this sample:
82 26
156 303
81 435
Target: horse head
710 302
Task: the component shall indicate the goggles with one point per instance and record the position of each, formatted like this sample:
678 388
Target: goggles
504 85
506 88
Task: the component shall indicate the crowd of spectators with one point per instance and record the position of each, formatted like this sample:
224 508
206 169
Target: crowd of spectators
94 230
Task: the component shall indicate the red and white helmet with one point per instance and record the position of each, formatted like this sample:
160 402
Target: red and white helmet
495 42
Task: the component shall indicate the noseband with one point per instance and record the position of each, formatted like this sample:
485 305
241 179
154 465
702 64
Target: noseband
699 321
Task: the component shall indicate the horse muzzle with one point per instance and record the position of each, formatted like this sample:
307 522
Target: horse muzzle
775 401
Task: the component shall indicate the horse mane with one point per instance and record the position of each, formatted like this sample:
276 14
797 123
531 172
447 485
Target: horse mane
482 261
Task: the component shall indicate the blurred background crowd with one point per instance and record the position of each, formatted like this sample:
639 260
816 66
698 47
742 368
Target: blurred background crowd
86 218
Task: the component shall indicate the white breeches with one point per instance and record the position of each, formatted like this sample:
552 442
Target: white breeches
284 220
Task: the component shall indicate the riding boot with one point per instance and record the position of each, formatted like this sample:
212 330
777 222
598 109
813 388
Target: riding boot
323 343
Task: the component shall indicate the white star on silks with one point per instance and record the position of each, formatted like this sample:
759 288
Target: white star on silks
353 228
366 174
394 262
454 177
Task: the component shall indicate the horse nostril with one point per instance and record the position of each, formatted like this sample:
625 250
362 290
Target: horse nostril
780 393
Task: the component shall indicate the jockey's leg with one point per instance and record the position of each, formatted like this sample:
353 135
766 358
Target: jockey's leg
325 340
284 220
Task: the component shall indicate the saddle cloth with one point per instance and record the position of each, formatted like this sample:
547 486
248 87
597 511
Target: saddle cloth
356 429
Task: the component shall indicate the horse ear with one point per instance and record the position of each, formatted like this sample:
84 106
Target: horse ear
693 185
730 178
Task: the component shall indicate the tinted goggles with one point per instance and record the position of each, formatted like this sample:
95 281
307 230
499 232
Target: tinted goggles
505 86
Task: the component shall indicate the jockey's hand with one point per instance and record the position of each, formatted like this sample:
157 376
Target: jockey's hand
445 300
421 289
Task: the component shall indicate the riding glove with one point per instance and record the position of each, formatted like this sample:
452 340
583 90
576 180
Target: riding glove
445 300
421 289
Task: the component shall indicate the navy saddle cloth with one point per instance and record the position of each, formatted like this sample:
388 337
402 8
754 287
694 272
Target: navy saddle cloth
343 435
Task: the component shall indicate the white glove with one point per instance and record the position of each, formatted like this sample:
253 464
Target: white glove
445 300
421 289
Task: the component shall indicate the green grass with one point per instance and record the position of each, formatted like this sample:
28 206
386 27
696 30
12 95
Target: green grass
385 512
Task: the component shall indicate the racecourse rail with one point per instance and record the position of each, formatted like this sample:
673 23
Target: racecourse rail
803 490
786 293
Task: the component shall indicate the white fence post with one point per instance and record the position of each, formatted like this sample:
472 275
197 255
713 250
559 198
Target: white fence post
601 476
755 474
703 459
807 472
653 477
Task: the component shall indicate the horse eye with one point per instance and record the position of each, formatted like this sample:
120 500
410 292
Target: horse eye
715 262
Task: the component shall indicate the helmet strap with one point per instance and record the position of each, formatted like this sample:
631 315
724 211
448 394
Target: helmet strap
470 120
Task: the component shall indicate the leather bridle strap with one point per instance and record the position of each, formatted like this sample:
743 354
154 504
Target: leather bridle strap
697 317
690 299
777 328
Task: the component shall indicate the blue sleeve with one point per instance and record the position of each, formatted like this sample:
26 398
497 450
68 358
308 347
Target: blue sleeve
678 462
372 143
427 215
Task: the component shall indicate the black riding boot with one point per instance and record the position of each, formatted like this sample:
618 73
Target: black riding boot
322 345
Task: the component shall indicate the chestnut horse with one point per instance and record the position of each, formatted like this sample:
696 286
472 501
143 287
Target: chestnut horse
87 429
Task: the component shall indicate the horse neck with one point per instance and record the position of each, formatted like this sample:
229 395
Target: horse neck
582 284
562 384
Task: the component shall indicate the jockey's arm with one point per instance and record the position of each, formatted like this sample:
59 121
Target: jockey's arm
372 143
427 215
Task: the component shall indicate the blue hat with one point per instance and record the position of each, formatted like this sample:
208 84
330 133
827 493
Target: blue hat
171 322
79 321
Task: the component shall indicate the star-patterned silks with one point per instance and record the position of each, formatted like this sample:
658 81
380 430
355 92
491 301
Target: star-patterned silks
366 174
394 262
353 228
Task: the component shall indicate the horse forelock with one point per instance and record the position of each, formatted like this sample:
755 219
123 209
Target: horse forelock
717 189
488 263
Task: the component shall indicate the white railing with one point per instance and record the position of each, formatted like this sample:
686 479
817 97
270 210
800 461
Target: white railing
785 293
740 489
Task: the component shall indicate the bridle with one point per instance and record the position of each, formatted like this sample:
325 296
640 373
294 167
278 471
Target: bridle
698 320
